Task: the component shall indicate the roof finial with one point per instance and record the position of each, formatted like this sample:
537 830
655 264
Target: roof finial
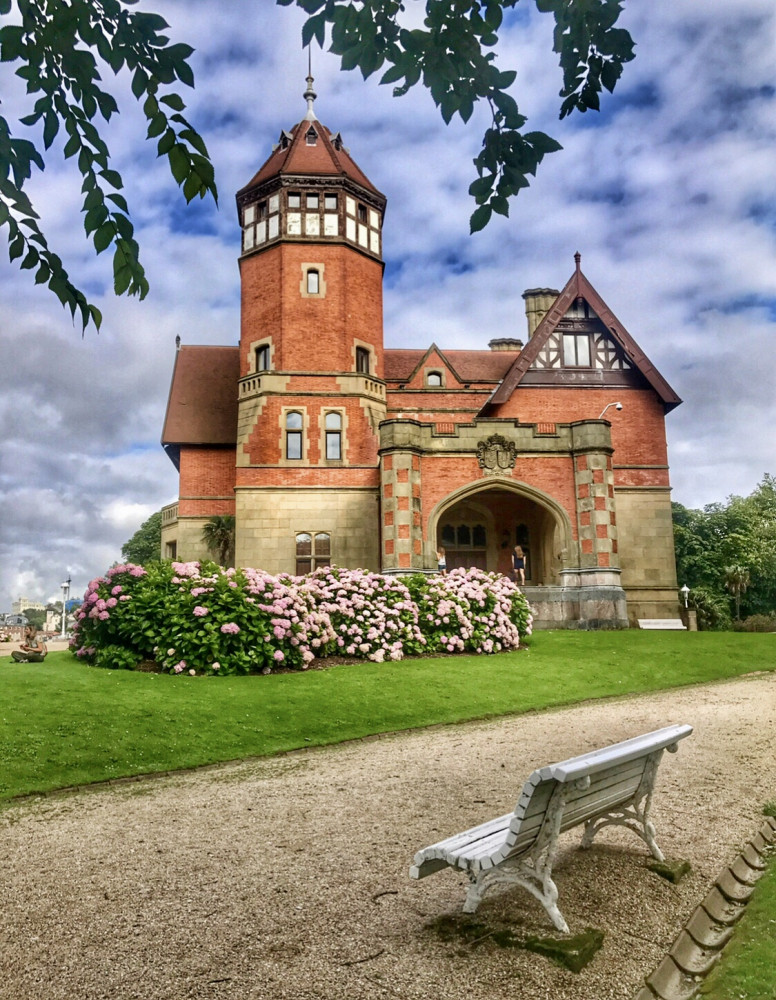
578 259
309 95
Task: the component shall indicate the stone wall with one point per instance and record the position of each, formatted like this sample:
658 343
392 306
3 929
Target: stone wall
268 521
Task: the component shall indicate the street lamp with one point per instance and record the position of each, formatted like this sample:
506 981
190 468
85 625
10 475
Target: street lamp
65 594
685 592
617 406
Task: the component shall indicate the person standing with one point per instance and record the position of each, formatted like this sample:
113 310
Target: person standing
32 650
518 565
441 560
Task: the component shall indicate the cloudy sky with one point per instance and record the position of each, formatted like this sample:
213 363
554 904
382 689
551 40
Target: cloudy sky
669 194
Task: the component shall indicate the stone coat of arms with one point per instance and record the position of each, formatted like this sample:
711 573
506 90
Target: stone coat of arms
496 455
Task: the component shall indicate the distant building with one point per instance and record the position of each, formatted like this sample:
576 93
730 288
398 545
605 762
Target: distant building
25 602
329 448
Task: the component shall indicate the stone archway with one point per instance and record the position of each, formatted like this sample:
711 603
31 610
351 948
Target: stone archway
479 525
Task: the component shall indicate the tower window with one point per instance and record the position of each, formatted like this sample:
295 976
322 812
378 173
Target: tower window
330 202
262 358
362 213
312 551
294 426
294 199
313 282
333 424
362 360
434 379
311 136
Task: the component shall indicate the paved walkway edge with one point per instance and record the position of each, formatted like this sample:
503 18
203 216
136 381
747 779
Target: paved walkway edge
699 945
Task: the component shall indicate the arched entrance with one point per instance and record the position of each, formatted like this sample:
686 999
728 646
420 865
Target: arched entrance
480 525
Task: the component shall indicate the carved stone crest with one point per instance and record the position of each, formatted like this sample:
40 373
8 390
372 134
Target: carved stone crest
496 455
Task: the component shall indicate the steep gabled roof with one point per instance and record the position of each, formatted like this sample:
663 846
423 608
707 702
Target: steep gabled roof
578 286
202 406
293 156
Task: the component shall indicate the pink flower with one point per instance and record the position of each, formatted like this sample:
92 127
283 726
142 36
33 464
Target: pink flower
200 612
278 655
117 589
216 665
230 628
178 668
104 615
111 602
125 597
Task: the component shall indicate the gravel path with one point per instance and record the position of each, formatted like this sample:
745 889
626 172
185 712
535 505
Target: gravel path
287 877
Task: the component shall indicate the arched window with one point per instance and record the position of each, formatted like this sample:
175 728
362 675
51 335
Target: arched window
312 550
262 358
313 282
333 425
434 379
294 425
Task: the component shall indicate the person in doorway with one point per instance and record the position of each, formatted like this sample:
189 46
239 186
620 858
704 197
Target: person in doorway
32 650
441 560
518 565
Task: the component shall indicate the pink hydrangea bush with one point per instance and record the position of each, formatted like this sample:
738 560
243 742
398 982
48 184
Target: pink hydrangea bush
198 618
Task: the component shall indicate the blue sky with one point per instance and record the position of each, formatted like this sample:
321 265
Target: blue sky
669 195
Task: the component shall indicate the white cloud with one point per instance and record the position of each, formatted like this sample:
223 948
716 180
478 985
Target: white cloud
668 194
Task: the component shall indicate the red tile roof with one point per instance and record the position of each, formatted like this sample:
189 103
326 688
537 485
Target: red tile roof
202 407
320 159
471 366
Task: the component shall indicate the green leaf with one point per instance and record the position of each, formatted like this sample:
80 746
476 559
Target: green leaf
30 260
112 177
173 101
480 218
104 236
166 143
180 162
96 316
50 128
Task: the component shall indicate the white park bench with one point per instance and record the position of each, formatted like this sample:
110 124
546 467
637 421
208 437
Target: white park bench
666 623
607 787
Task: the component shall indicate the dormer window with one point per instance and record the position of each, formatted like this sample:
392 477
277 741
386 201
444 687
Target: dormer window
434 380
311 136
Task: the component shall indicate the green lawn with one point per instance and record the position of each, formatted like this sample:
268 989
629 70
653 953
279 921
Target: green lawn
65 723
748 962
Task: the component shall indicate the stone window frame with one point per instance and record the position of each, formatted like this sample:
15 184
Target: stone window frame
302 431
436 373
363 349
259 347
320 269
341 412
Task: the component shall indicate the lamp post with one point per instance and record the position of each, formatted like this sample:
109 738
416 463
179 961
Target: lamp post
65 594
617 406
685 592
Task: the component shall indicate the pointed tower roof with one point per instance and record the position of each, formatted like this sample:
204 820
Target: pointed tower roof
310 149
578 287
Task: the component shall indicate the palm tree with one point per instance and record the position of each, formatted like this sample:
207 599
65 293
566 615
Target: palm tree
218 535
736 581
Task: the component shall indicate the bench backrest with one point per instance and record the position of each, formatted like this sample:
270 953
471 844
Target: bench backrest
615 776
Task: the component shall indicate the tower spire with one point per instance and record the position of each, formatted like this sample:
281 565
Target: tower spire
309 95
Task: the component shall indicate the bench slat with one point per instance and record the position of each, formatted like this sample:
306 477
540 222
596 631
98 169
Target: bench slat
579 767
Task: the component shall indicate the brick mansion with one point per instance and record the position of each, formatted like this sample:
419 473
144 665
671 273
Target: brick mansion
329 447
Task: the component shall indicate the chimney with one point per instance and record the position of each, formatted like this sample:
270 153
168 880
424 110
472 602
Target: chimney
538 302
505 344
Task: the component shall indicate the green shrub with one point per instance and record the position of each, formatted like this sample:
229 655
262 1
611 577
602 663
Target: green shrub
712 610
116 658
756 623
